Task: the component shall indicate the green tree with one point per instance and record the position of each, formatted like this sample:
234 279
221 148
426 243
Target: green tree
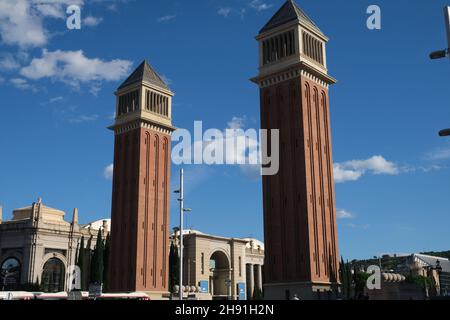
257 293
346 279
106 261
81 263
174 267
360 280
97 260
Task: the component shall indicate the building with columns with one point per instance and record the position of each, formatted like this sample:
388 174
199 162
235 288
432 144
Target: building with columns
221 268
300 232
38 246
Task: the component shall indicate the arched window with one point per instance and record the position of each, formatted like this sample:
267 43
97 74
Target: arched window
10 274
53 276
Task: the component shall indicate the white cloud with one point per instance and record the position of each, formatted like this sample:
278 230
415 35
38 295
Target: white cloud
237 122
354 169
439 154
343 175
344 214
2 80
108 171
55 99
8 62
259 5
20 83
91 21
358 226
22 21
83 118
19 26
243 157
224 12
74 68
166 18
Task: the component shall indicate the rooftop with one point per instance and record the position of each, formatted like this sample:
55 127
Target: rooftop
144 73
289 12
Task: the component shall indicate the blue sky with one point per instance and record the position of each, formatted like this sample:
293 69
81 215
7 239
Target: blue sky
387 107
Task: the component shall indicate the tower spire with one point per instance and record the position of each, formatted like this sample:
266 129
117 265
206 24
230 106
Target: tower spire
75 216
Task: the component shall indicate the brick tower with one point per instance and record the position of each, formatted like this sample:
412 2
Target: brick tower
140 196
301 248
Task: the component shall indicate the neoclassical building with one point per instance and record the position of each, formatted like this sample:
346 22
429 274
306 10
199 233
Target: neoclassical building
38 246
223 268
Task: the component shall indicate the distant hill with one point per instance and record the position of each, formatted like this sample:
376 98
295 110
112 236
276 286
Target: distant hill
394 262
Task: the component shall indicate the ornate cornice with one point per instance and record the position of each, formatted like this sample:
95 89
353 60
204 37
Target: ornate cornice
141 123
292 72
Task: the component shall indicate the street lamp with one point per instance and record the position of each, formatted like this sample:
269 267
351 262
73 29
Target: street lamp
445 52
182 211
439 54
444 133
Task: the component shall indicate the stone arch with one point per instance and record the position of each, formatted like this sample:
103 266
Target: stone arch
53 272
220 273
11 268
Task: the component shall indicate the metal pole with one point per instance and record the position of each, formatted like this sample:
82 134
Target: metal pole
181 233
447 25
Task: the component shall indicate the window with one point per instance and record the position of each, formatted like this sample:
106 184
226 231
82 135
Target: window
128 102
240 267
203 263
53 276
10 274
157 103
312 47
278 47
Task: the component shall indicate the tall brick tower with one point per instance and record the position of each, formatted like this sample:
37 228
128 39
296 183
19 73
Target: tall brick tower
140 196
301 248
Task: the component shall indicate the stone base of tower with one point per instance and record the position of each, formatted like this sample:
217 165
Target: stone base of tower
158 295
303 290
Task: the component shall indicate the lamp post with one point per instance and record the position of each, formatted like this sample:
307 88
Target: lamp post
444 133
445 52
182 211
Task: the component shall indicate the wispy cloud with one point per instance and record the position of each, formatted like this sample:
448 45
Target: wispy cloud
259 5
166 18
53 100
8 62
224 12
21 83
358 226
92 21
344 214
439 154
354 169
83 118
108 171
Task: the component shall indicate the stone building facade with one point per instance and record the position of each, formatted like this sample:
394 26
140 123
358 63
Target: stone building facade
221 267
38 246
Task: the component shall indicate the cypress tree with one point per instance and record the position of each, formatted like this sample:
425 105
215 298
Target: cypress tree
174 267
97 260
106 261
81 263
